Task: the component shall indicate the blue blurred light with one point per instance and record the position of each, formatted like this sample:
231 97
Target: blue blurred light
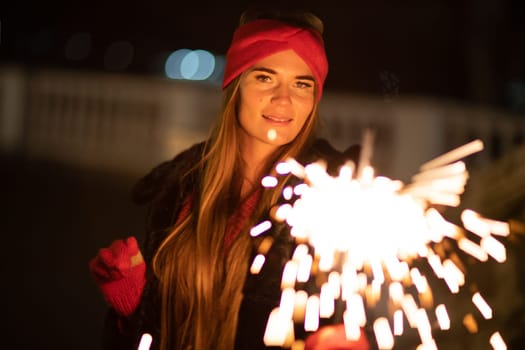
218 72
172 67
206 65
189 65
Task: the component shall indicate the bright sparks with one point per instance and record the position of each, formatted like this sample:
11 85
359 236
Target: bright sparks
363 233
145 342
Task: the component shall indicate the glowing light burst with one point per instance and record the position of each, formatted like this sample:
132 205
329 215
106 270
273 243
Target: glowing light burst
363 233
145 342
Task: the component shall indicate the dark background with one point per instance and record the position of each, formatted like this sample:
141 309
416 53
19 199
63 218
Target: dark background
55 217
469 50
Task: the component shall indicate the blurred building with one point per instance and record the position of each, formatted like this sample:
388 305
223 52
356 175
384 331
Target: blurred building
126 123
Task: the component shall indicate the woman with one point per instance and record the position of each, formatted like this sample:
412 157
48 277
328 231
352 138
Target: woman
192 289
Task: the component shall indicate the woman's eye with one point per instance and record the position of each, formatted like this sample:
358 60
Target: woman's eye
304 84
263 77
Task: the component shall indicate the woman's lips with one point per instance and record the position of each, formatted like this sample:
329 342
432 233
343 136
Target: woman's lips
277 119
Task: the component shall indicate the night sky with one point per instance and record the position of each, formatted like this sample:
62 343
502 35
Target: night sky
424 46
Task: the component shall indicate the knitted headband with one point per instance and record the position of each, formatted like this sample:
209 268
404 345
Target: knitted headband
264 37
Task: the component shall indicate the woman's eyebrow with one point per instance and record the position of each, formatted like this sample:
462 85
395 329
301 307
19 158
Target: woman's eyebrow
305 77
263 69
271 71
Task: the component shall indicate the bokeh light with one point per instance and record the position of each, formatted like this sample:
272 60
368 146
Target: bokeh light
197 65
173 63
194 65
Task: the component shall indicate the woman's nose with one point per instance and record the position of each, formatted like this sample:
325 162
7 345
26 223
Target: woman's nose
281 94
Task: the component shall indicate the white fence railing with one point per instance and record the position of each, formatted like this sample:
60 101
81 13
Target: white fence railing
411 131
130 123
115 122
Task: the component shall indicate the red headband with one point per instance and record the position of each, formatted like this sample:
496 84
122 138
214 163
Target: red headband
264 37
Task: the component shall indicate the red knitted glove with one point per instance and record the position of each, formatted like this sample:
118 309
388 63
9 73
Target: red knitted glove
334 338
119 271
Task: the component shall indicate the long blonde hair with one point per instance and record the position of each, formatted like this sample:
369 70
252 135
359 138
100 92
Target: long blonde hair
200 284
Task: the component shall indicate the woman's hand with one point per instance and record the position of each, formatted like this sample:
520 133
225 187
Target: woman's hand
119 271
334 338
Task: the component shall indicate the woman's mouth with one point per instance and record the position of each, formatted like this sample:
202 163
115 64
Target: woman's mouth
277 119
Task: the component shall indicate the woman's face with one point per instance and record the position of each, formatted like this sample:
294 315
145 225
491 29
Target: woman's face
276 99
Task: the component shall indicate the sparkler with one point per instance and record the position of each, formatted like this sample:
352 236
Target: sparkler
364 233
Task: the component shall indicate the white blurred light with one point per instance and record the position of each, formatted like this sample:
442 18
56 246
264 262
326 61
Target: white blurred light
145 341
442 317
269 181
383 333
497 342
398 322
276 328
261 228
311 321
257 264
